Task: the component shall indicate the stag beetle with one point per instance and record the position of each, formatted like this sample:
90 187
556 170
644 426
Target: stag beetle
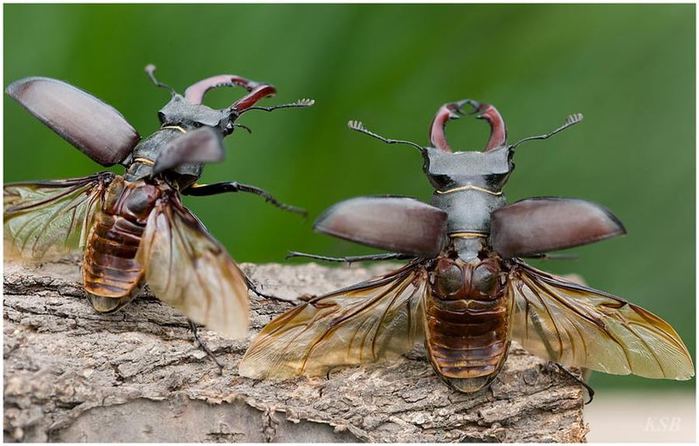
466 292
133 228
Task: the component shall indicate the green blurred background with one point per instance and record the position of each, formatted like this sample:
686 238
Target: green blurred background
629 69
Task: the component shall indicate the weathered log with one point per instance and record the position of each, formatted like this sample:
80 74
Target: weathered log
137 375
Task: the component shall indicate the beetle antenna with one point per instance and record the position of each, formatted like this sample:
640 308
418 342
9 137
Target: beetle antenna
150 71
301 103
571 120
359 127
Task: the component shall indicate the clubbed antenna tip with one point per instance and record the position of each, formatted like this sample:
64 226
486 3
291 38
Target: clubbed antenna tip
573 119
357 125
305 102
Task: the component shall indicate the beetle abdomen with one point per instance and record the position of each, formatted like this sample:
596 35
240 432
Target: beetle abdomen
110 268
111 274
467 339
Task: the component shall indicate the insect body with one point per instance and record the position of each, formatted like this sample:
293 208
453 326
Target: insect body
466 292
133 228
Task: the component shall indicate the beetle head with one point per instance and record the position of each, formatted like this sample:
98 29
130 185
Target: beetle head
447 169
183 113
189 112
489 168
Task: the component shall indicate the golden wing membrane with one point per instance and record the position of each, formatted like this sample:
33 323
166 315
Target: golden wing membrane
49 219
186 268
370 321
575 325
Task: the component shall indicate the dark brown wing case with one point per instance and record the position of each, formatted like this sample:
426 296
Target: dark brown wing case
198 146
97 129
539 225
397 224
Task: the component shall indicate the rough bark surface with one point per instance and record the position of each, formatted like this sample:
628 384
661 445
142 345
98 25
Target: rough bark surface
71 374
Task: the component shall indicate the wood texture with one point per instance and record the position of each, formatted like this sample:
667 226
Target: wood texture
71 374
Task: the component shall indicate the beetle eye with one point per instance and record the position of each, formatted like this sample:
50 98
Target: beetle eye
161 117
484 278
450 279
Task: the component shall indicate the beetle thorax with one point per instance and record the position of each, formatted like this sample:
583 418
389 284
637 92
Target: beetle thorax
147 151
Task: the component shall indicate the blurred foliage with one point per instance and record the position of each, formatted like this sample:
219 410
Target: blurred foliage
629 68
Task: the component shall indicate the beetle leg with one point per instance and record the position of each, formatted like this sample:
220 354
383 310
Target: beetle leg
203 346
352 259
201 190
244 127
252 287
590 390
553 256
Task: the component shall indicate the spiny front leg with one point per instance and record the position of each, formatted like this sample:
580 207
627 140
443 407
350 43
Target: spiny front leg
201 190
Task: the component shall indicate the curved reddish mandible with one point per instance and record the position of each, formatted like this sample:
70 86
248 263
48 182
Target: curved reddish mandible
498 131
255 95
446 112
195 92
453 110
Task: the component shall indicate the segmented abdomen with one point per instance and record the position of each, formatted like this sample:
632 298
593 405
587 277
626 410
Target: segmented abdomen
467 339
110 269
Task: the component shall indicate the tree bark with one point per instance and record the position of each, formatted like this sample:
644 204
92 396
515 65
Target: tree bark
137 375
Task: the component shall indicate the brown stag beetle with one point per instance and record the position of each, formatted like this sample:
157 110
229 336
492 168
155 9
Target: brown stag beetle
466 292
133 228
